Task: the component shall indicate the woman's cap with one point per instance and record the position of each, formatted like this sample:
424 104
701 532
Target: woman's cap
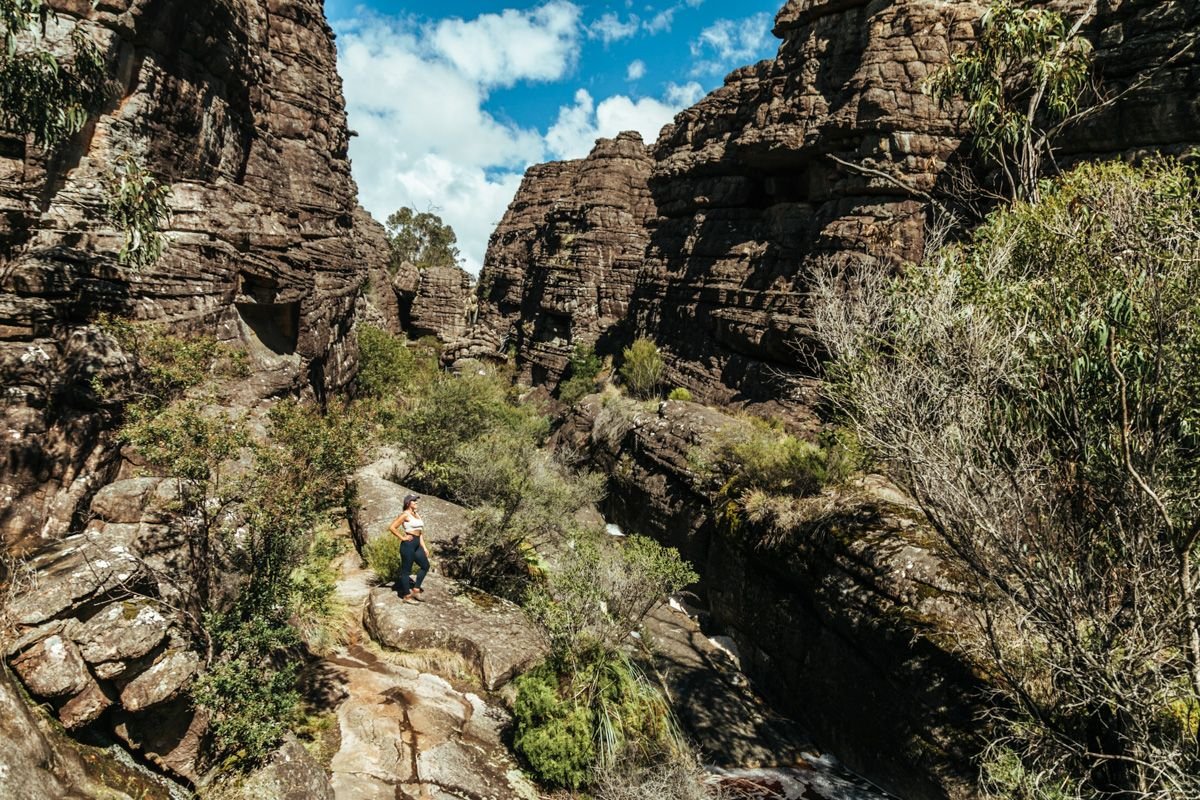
408 498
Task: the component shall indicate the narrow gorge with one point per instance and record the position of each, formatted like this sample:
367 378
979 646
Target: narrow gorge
202 456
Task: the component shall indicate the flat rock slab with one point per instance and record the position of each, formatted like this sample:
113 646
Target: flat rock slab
406 734
53 668
121 632
165 679
492 634
379 500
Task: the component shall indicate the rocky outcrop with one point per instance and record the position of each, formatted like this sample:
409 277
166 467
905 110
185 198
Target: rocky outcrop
435 301
39 763
237 106
410 734
751 185
93 634
839 621
562 264
494 635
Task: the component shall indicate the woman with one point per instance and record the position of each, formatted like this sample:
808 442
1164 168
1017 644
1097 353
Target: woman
409 528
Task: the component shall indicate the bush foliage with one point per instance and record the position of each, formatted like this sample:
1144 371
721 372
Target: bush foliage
581 377
642 368
41 93
1036 390
383 557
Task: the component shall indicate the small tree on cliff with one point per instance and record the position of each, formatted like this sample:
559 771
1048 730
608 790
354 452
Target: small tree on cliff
1022 81
422 239
41 93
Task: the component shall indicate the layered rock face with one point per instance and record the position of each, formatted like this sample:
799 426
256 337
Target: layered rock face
746 189
238 107
437 301
562 264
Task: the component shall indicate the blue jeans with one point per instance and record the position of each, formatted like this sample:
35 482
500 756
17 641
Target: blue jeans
411 551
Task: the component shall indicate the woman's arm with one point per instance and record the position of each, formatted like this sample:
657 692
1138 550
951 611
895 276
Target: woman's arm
396 524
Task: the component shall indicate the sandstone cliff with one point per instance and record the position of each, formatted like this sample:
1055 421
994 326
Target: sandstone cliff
562 264
711 229
238 106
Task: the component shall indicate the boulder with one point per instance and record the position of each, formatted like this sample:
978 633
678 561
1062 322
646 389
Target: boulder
379 499
85 707
171 737
492 634
291 773
124 501
164 680
76 570
121 632
53 667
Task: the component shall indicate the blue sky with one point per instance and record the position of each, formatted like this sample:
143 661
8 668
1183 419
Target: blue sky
453 100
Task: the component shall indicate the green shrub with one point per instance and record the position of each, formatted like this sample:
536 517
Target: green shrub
454 411
319 613
571 721
752 454
139 205
382 553
581 380
165 365
298 483
643 368
249 692
1034 389
388 365
603 590
554 735
46 95
521 499
681 393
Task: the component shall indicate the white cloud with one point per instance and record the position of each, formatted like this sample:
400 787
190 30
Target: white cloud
731 43
415 94
609 28
682 96
501 49
579 126
661 21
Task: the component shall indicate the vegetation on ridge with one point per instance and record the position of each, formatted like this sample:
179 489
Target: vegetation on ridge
1035 390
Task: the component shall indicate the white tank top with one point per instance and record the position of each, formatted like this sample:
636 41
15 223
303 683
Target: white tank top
413 525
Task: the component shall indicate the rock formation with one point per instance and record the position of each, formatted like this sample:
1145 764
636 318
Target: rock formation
436 301
562 264
837 622
238 107
745 189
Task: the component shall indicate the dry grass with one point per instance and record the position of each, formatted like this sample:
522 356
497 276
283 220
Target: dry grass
436 661
681 778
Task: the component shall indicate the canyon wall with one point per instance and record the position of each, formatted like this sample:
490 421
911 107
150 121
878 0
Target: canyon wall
705 237
237 105
830 152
